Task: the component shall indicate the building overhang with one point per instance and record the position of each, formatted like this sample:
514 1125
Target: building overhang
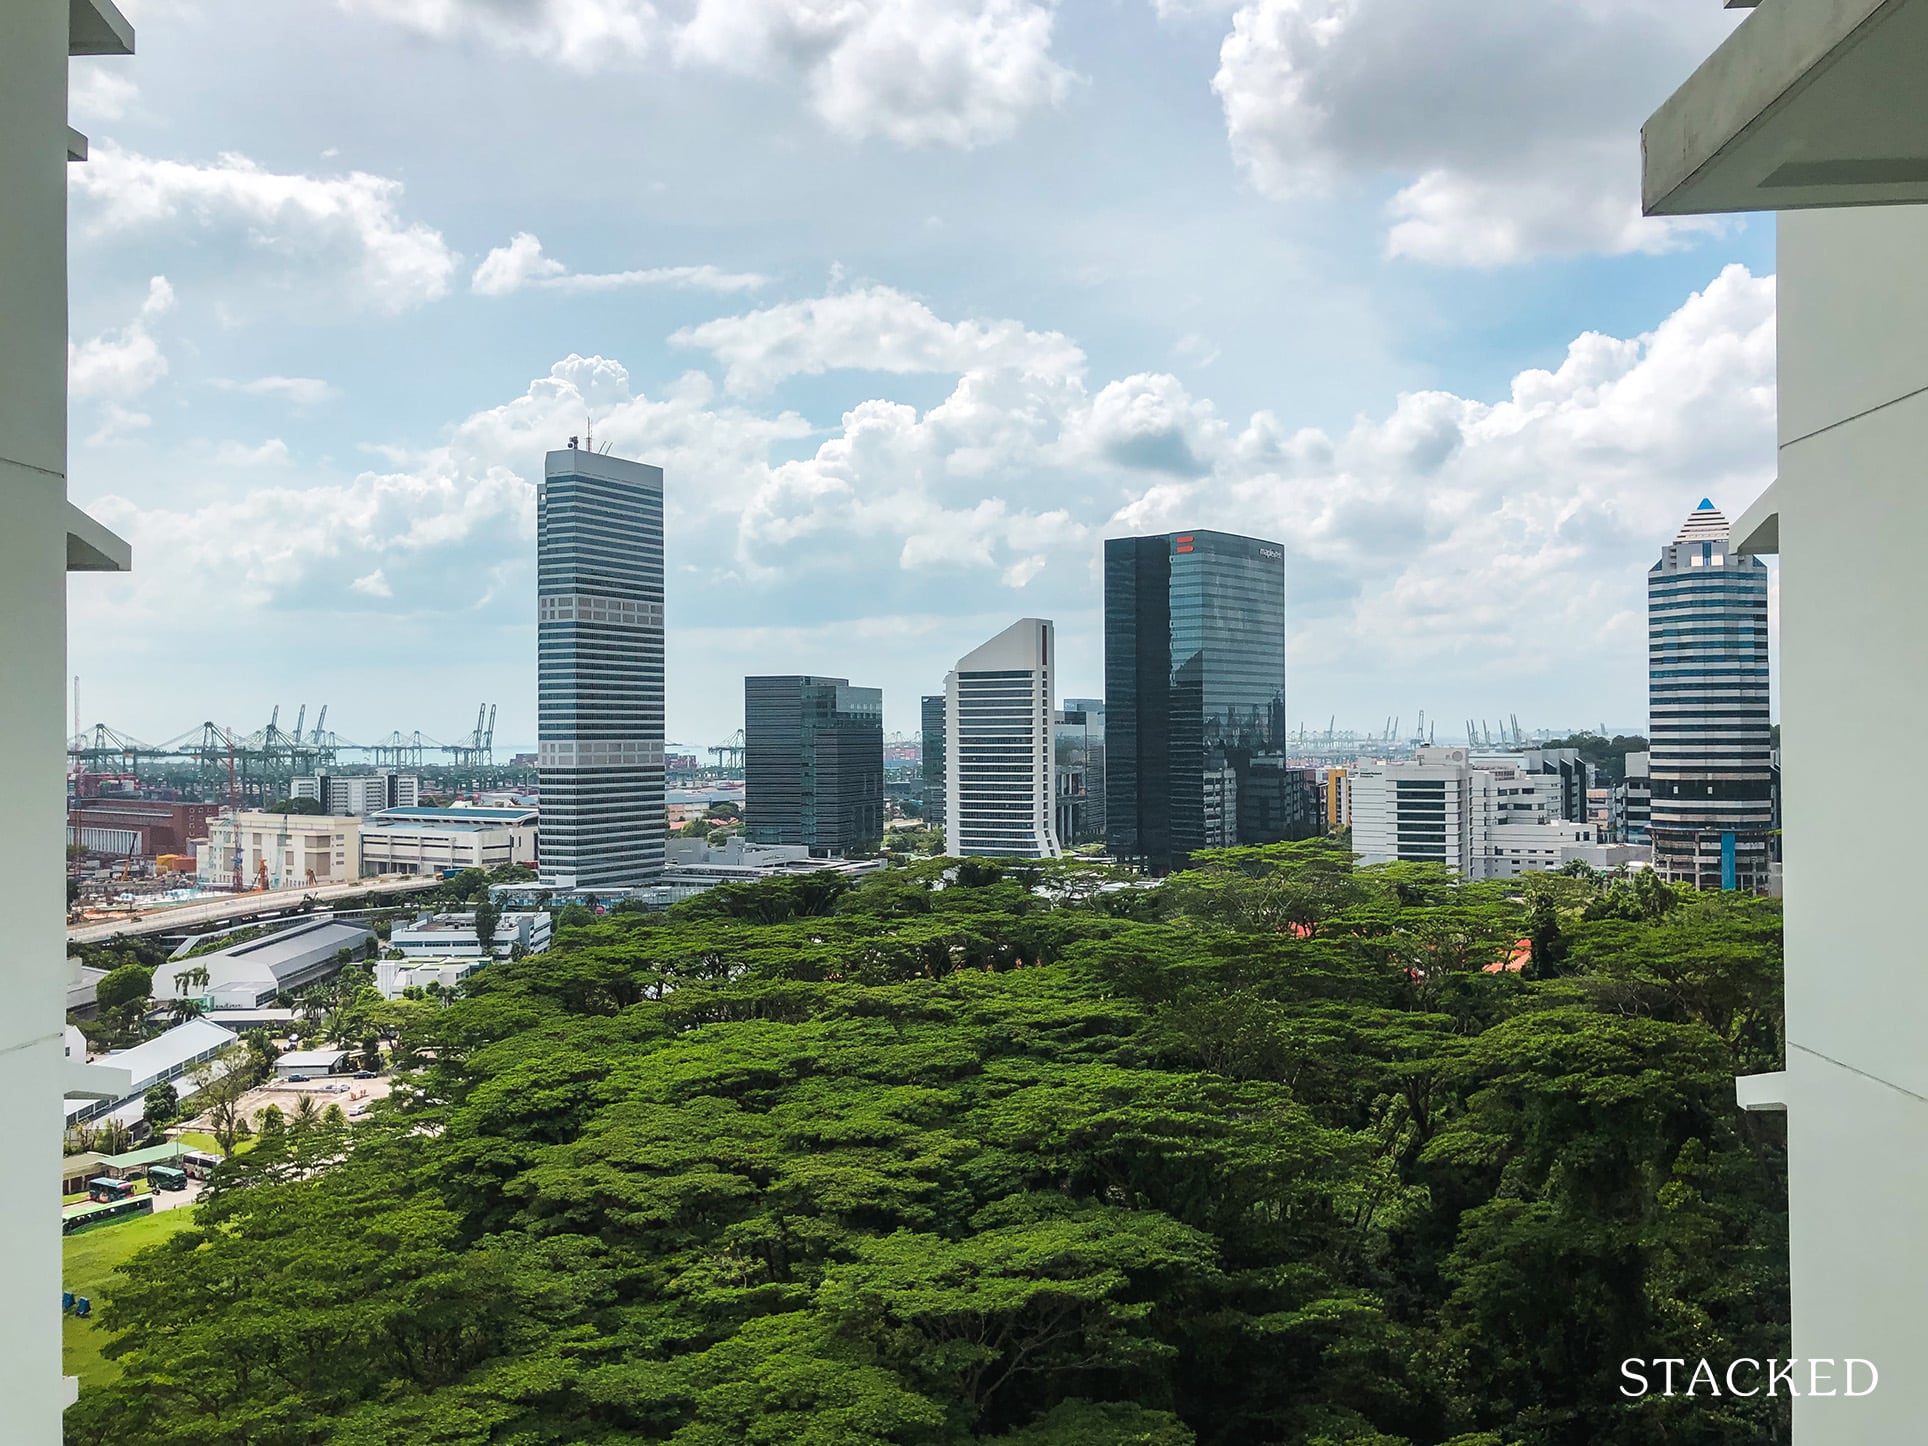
76 145
96 27
1808 103
1761 1091
1757 531
92 548
83 1081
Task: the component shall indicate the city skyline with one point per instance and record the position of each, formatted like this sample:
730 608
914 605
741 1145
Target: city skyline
310 372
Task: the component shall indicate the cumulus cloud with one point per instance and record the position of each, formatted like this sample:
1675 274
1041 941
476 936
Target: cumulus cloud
917 72
521 263
1440 536
511 267
123 363
1510 127
346 230
874 328
446 528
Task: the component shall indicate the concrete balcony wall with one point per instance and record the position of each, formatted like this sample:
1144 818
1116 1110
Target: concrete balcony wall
1852 504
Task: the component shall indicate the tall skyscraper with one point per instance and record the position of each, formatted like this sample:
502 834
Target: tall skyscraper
1001 778
813 764
1194 688
599 670
1712 755
934 774
1079 739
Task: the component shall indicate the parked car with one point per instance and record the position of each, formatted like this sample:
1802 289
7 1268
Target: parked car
366 1074
296 1079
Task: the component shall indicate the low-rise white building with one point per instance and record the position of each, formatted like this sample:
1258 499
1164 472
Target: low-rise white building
434 840
394 977
161 1060
359 793
307 1063
454 936
251 974
1481 818
280 851
694 866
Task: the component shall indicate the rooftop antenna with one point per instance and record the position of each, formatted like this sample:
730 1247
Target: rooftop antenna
588 433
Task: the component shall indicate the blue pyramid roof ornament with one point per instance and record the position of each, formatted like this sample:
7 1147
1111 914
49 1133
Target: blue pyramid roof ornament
1706 505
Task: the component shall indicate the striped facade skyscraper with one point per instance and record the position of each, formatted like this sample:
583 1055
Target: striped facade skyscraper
599 671
1001 773
1712 756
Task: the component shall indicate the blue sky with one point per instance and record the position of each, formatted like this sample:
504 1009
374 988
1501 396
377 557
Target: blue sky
915 301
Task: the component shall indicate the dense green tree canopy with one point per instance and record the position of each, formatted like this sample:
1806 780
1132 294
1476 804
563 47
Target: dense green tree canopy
1263 1156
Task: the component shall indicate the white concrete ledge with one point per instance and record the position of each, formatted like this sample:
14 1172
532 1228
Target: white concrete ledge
92 548
76 145
1808 103
1762 1091
94 1081
1758 530
96 27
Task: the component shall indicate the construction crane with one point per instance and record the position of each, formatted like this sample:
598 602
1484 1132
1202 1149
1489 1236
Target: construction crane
729 753
238 861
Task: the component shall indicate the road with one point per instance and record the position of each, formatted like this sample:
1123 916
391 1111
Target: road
233 908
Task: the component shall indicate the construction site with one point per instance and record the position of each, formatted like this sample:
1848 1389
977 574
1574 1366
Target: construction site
139 807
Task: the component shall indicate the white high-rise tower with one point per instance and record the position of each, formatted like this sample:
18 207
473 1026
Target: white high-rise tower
1001 778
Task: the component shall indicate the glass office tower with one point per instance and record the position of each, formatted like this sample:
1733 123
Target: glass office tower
1079 739
1712 757
599 671
1194 688
813 764
933 753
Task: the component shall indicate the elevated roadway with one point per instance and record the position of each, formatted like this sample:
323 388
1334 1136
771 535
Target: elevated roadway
243 908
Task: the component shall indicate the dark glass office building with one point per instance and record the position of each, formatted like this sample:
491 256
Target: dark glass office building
813 764
1194 691
933 755
1078 737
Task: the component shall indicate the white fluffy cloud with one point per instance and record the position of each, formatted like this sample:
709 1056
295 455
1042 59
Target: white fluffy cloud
521 263
1445 537
121 364
344 231
1510 126
875 328
918 72
444 528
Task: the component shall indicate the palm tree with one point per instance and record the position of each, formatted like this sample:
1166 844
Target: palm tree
113 1138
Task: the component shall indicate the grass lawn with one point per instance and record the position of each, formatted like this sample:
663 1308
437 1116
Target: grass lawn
89 1261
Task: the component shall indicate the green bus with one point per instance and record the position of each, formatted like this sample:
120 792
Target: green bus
76 1216
105 1190
166 1177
